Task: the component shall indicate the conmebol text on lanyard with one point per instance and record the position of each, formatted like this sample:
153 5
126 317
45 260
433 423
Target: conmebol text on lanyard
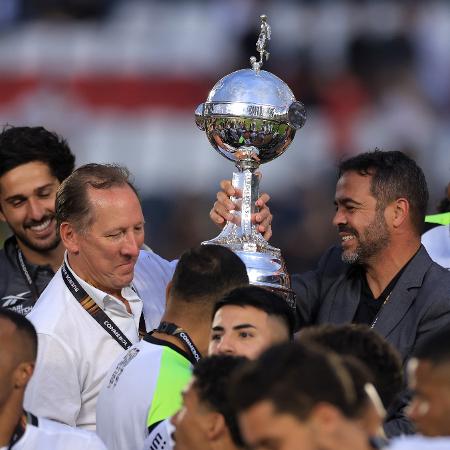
96 312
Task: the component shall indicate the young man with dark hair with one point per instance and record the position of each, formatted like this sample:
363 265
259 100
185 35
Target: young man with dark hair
19 429
368 346
369 411
248 320
297 396
206 421
33 163
143 387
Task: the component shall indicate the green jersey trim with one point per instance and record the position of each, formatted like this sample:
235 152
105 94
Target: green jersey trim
174 374
442 219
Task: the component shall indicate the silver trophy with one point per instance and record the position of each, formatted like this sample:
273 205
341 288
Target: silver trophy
250 117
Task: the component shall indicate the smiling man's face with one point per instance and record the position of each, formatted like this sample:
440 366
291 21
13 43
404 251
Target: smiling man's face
361 224
27 205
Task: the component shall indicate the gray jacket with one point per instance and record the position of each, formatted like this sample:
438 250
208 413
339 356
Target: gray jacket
15 291
418 305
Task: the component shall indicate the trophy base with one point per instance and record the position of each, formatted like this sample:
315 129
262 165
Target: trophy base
265 265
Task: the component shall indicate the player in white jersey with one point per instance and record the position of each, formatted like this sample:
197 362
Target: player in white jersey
143 386
20 430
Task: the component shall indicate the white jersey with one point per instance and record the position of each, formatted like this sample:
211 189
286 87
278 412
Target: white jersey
142 388
437 243
420 443
50 435
160 438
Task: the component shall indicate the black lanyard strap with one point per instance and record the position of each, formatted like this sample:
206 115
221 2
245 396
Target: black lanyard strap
26 274
178 332
96 312
19 431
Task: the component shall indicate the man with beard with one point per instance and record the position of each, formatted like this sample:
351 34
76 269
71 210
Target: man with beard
33 163
380 275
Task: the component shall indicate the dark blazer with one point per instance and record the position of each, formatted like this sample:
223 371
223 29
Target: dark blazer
418 305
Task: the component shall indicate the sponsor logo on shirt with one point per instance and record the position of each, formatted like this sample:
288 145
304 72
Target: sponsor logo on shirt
130 355
18 302
11 300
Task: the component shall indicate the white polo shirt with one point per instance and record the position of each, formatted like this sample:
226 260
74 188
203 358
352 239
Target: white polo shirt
75 352
49 435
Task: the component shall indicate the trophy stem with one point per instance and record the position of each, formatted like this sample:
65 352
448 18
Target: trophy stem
241 234
248 182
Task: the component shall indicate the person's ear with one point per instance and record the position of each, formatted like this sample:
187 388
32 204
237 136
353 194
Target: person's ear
400 212
215 426
69 237
325 418
22 374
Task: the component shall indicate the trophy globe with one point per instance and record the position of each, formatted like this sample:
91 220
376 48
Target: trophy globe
250 117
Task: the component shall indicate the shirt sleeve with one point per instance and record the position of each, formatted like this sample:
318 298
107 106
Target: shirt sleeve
54 390
151 275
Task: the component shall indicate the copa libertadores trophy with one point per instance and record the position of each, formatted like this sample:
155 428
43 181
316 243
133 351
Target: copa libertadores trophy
250 117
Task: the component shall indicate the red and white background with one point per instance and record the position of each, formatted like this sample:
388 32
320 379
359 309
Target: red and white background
121 80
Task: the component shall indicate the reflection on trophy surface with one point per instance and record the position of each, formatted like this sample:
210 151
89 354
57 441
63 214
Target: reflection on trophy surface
250 117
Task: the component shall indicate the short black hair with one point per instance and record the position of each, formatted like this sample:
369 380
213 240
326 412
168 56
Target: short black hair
295 378
435 348
361 376
22 145
211 382
394 175
206 272
367 345
260 298
24 327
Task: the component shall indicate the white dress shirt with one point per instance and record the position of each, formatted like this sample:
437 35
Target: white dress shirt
75 352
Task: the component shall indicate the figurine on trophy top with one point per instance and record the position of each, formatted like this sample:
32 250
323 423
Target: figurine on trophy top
250 117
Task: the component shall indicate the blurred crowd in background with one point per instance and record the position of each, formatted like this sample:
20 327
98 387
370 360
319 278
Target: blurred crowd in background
120 79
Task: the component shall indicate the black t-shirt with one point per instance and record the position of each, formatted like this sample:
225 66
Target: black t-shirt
369 306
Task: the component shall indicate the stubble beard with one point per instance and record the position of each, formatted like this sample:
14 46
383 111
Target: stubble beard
374 239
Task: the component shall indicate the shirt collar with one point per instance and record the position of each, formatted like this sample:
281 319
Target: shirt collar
99 296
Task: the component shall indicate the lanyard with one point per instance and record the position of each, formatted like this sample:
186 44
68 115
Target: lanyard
96 312
173 330
26 274
19 431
